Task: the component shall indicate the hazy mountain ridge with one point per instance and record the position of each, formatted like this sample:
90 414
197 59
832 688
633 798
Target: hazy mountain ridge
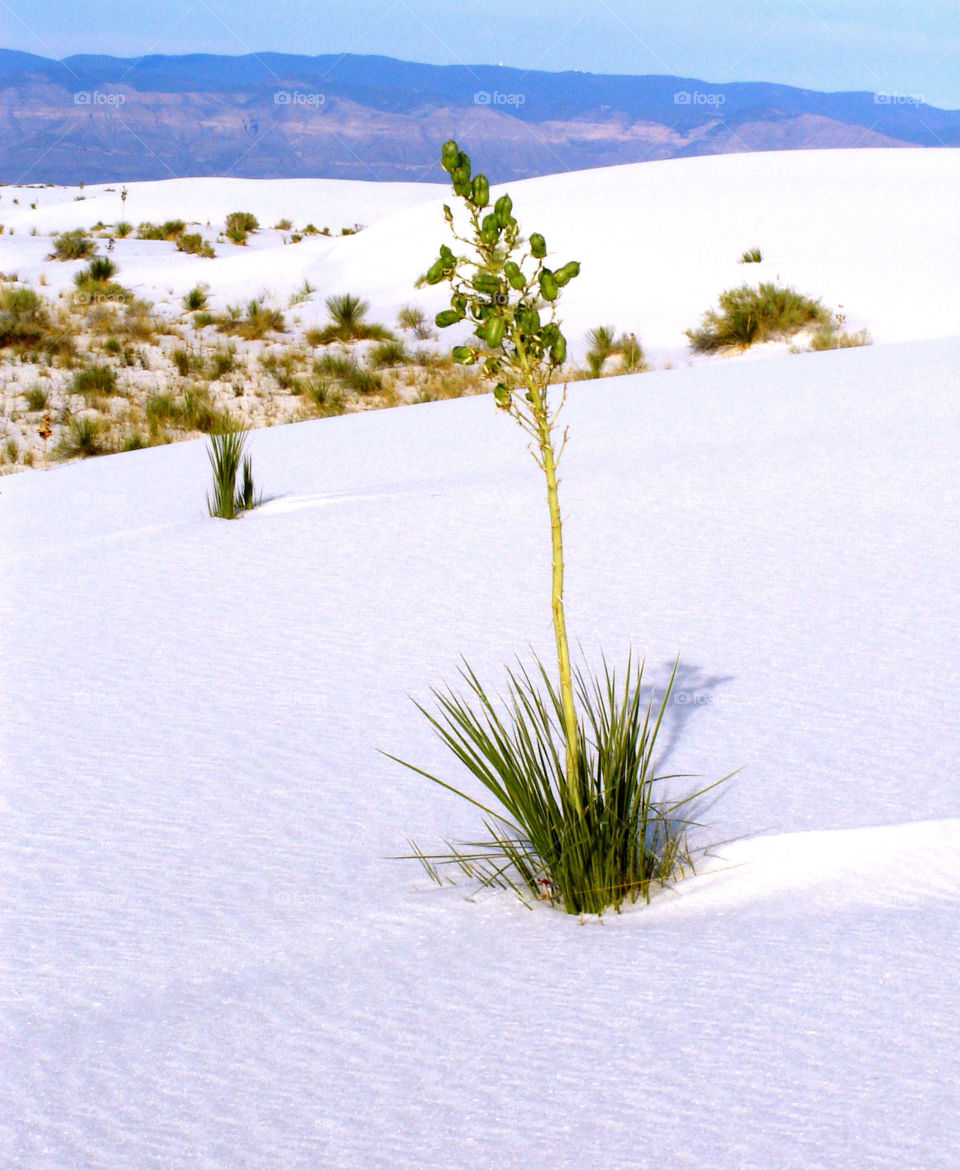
96 118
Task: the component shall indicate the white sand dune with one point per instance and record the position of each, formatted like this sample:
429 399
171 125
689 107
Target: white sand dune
210 959
871 231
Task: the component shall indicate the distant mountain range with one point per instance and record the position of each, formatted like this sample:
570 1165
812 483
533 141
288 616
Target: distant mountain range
268 115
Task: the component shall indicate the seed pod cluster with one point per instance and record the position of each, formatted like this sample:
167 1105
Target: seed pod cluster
495 295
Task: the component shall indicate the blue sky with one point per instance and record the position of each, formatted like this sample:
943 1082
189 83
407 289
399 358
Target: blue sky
893 46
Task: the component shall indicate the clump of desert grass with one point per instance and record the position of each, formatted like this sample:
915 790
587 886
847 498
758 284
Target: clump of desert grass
751 315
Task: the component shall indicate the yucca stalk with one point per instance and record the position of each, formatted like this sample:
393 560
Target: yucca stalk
503 288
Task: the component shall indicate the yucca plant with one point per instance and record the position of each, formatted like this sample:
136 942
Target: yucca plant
227 460
613 840
348 322
568 761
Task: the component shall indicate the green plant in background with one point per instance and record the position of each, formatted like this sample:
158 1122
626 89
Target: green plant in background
75 245
751 256
227 461
196 298
348 322
749 315
195 245
570 764
602 344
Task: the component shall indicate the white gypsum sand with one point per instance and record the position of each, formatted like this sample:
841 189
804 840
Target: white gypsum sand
210 959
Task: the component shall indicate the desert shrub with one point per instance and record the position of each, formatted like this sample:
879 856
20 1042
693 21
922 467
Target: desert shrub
348 371
303 293
574 815
252 324
227 460
751 256
81 438
75 245
311 230
632 358
165 231
100 270
351 231
184 360
195 245
24 320
348 322
37 396
190 410
123 229
414 320
196 298
283 225
201 320
749 315
220 363
246 221
388 353
830 336
138 321
281 366
93 381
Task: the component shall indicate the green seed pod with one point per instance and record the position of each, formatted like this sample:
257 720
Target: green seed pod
489 232
529 320
448 317
487 284
550 333
538 246
463 163
493 333
501 394
462 186
502 209
567 272
480 196
447 213
449 155
548 285
435 272
465 355
511 271
492 366
558 351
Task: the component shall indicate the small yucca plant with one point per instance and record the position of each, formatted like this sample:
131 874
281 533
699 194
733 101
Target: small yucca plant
227 461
